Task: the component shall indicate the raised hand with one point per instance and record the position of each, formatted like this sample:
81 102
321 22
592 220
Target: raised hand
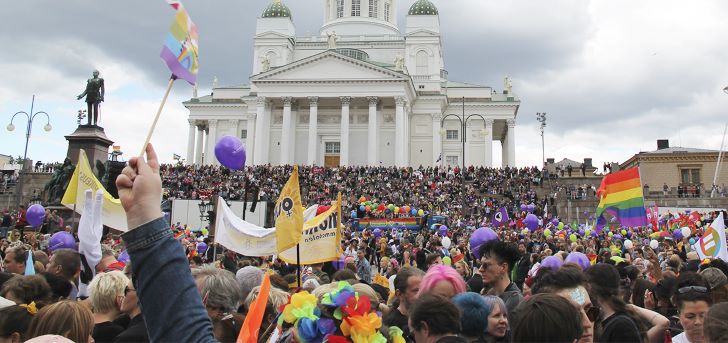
140 189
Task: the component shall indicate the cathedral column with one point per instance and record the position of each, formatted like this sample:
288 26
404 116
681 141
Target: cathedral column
436 139
511 142
286 131
344 154
191 143
250 138
312 130
260 155
211 140
488 163
399 132
373 137
200 144
504 152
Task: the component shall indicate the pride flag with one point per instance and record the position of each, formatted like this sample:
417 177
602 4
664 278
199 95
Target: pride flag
620 195
180 46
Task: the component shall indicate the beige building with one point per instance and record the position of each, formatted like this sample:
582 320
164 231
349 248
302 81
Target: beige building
678 166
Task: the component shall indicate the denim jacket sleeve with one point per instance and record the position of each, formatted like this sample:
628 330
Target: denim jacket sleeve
168 296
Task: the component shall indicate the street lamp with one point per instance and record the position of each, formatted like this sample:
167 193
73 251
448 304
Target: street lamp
29 127
541 117
463 126
205 209
714 188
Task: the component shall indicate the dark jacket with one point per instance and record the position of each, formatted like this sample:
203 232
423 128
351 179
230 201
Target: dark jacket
136 332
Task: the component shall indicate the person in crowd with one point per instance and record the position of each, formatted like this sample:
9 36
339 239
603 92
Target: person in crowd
476 311
718 283
106 292
15 260
222 296
546 318
715 327
108 261
463 270
66 263
407 287
619 322
442 280
248 278
521 268
363 268
496 261
14 322
60 287
693 301
27 289
67 318
434 318
319 273
432 260
136 330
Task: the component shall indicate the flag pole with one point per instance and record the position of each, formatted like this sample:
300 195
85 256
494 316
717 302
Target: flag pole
298 264
156 117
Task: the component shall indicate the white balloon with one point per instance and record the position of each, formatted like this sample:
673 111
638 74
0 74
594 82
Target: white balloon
686 232
628 244
654 244
446 242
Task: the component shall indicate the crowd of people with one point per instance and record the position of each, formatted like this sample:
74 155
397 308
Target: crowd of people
556 283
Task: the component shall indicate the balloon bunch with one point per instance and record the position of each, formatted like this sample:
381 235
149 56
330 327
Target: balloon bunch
369 206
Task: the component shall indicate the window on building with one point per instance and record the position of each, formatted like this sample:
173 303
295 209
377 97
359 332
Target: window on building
243 134
355 8
339 8
422 63
690 176
451 134
373 8
386 11
333 147
451 160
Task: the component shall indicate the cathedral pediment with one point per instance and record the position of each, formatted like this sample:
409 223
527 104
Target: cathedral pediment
423 33
329 66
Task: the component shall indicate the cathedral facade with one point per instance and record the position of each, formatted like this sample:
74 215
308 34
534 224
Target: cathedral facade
361 92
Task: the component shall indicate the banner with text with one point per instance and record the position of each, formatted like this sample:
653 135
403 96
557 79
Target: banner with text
321 240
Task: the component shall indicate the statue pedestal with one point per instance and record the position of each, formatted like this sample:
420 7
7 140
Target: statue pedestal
93 140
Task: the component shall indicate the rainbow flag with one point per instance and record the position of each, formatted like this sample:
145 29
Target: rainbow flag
621 196
180 46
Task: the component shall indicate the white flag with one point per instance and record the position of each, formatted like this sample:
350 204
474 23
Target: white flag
90 231
713 245
241 236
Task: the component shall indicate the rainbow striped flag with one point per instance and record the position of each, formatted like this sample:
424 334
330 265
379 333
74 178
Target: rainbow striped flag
621 196
180 46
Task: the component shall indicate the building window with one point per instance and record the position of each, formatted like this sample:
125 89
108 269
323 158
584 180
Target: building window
373 8
339 8
451 134
451 160
354 53
243 134
690 176
386 11
355 8
333 147
422 63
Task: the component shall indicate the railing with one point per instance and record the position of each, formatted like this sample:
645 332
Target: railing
349 38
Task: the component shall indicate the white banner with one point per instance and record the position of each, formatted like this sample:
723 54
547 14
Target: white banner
240 236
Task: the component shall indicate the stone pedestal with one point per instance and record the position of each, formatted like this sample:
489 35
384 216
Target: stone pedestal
93 140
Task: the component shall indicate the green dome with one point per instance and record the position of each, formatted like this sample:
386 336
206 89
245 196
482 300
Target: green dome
277 10
423 7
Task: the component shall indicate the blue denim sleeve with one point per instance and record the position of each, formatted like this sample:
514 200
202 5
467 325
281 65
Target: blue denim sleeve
168 296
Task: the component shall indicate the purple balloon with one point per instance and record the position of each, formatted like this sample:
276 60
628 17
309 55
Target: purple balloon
480 237
578 258
230 151
552 262
124 257
617 237
531 222
35 215
201 247
531 208
377 232
581 232
555 222
677 234
524 207
61 240
442 230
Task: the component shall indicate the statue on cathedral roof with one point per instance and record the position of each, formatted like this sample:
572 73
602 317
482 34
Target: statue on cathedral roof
332 39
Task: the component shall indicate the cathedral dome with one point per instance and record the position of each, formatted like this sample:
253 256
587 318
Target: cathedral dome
423 7
277 10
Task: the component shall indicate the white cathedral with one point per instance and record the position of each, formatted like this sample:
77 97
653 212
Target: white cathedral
362 92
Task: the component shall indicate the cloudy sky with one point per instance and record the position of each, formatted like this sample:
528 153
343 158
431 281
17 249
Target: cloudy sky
614 76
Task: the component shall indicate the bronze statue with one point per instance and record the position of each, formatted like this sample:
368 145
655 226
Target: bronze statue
94 94
58 183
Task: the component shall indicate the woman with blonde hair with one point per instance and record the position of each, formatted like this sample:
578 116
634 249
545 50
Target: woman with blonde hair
106 295
67 318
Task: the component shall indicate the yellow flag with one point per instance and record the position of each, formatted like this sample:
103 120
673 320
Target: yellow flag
289 214
321 240
113 214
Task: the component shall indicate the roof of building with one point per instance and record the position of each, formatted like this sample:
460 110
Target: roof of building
679 150
423 7
277 10
455 84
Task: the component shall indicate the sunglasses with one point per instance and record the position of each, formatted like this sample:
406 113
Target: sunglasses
127 290
699 289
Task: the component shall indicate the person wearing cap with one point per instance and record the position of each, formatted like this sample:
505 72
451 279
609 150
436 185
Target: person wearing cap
718 283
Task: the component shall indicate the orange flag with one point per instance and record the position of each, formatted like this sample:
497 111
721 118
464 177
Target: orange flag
251 326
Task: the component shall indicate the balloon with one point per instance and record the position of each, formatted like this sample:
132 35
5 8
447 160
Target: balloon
480 237
443 230
531 222
201 247
396 210
617 237
654 244
547 233
413 212
377 232
555 221
524 207
353 214
205 232
624 232
579 259
447 261
61 240
587 232
686 232
368 209
552 262
677 234
362 208
610 234
572 237
35 215
446 242
421 212
124 257
322 209
390 207
581 232
530 208
381 207
628 244
561 226
524 231
230 151
692 241
362 199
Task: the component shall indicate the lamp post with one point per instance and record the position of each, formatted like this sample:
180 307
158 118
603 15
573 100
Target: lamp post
30 116
541 117
463 129
720 157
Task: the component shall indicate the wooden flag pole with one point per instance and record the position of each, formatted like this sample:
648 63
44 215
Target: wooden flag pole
156 118
298 264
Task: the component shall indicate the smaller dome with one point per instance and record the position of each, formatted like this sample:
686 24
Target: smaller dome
423 7
277 10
